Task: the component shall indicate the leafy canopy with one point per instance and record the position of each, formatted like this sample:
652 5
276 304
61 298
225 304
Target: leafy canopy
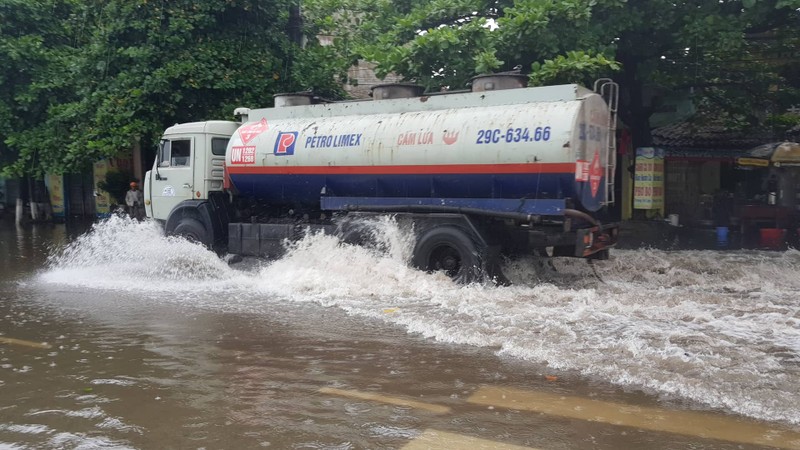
85 79
717 46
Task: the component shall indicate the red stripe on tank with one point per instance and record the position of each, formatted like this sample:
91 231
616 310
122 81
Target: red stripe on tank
405 169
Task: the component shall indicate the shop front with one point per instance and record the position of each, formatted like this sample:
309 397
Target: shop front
766 200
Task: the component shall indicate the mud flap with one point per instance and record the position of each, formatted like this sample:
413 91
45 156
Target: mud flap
492 266
596 241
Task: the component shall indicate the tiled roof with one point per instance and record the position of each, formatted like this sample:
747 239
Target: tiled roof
687 135
690 153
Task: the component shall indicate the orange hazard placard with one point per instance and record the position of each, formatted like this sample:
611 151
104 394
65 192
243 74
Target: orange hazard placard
250 131
595 174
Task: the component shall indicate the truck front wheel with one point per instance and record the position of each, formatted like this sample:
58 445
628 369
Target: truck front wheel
192 230
450 250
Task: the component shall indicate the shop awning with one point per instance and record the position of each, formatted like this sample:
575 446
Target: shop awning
776 153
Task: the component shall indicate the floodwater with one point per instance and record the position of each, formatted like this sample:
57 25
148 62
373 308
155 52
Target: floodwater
122 338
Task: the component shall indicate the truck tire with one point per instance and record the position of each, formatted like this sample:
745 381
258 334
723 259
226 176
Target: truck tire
363 237
192 230
450 250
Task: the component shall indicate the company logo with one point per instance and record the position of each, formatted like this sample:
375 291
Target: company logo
450 138
284 144
243 154
250 131
413 138
334 140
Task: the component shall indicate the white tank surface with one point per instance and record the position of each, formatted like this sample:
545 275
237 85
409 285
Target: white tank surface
549 142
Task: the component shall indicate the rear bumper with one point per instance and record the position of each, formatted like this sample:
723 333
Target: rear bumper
590 241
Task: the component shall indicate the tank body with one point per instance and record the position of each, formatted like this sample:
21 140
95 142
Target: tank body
532 143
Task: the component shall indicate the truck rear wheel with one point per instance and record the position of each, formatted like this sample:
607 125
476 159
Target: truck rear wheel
450 250
192 230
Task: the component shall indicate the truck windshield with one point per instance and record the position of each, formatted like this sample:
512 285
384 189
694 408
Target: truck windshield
181 152
175 153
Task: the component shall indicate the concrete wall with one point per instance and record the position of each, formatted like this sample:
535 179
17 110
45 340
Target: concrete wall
364 76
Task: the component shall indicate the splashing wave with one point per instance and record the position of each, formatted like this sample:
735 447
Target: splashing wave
720 328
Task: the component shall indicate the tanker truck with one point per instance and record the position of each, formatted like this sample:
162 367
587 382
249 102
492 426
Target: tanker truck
498 171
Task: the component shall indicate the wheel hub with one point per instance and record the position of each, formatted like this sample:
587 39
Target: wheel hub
450 262
446 259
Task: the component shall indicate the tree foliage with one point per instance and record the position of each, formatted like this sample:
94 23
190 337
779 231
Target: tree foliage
727 51
116 183
84 79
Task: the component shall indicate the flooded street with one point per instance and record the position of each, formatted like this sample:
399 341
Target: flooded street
122 338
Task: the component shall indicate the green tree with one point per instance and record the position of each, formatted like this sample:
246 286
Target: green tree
714 46
719 49
121 70
37 42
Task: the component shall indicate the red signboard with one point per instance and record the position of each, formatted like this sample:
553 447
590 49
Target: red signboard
243 154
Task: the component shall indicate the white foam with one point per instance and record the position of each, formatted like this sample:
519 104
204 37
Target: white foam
113 381
83 441
120 253
33 428
720 328
85 413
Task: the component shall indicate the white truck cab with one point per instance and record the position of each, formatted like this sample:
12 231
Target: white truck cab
189 164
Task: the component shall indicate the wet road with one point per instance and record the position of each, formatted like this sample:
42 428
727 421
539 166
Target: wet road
126 339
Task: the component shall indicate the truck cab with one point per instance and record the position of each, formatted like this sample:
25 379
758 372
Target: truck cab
189 165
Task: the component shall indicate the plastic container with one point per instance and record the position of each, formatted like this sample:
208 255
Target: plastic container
772 238
673 220
722 236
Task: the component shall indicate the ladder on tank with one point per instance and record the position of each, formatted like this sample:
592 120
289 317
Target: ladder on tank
609 90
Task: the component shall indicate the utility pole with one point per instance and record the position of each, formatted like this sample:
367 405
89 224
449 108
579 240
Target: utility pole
295 26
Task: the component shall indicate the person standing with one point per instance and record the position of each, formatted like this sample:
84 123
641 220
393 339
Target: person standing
134 199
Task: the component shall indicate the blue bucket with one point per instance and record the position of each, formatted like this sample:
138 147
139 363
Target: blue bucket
722 236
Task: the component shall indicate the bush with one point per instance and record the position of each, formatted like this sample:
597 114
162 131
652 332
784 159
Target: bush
116 184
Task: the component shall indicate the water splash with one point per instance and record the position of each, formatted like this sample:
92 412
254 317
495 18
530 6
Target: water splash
720 328
121 253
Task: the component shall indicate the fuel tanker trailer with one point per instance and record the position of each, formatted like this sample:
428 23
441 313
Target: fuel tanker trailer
476 175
